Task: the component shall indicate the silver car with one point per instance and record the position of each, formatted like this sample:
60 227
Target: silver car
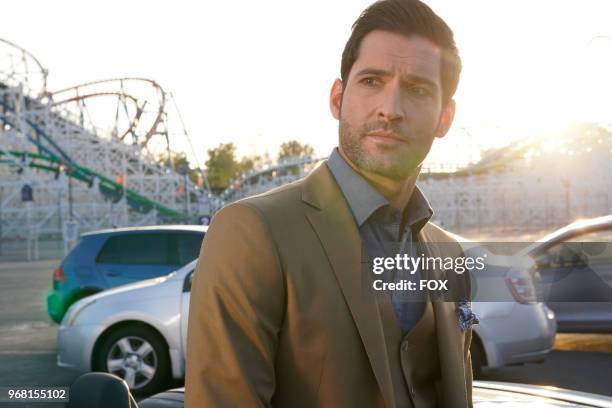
514 327
137 331
511 333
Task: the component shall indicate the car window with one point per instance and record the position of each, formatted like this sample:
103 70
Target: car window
137 249
188 247
562 255
110 252
590 248
597 247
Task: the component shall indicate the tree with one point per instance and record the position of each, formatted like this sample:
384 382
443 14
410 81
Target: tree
294 149
248 163
180 164
222 166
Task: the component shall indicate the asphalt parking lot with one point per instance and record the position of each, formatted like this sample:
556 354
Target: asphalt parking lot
27 342
27 335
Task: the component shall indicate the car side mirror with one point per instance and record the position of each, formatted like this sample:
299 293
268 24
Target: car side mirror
99 390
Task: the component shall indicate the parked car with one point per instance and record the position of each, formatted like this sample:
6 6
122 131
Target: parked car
574 266
484 394
514 327
137 331
108 258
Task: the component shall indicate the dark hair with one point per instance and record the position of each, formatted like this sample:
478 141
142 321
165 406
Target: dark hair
406 17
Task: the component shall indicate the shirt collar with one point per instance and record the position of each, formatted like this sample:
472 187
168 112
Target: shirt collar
364 200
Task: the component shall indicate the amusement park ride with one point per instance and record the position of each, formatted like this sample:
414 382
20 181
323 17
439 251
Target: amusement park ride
88 157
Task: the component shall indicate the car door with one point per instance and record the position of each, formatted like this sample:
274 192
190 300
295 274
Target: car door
576 275
132 257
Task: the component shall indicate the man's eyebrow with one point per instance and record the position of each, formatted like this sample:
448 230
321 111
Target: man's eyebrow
405 78
419 80
373 71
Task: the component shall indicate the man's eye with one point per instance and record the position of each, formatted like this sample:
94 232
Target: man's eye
369 81
420 91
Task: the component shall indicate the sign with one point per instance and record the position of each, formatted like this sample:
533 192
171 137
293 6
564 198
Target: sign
71 231
27 194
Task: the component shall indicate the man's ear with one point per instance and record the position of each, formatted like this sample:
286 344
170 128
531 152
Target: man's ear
335 98
446 119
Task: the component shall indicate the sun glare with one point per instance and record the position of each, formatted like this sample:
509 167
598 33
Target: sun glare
595 82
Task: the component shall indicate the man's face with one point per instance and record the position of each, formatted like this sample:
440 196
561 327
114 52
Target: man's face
391 107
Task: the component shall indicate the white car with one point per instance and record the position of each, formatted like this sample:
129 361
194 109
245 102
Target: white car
139 331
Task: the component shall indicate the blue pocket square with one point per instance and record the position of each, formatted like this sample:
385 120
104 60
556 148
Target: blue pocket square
465 316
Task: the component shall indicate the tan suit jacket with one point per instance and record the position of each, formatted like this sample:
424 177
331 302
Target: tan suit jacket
280 314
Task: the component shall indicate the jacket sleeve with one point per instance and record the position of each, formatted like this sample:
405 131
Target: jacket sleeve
235 313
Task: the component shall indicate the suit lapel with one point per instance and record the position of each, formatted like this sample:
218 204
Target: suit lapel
449 336
339 236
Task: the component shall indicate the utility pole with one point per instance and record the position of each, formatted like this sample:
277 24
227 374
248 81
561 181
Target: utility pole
1 191
69 173
187 197
70 227
184 170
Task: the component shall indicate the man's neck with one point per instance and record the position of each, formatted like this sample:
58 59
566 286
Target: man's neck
397 192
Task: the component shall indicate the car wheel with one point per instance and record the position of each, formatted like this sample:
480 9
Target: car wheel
139 356
478 356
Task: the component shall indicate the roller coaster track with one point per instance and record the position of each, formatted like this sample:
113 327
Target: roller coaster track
51 162
76 95
107 186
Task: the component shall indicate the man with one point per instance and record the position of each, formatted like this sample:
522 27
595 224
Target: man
283 311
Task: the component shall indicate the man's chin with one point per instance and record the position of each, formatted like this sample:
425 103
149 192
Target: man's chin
394 171
393 163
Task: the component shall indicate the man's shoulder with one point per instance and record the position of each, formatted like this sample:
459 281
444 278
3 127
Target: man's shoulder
281 201
279 197
294 197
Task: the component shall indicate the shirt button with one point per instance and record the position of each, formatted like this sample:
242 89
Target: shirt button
405 346
412 390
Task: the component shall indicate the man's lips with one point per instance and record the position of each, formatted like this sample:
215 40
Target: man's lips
383 134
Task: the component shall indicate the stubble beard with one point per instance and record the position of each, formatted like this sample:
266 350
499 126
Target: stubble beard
396 167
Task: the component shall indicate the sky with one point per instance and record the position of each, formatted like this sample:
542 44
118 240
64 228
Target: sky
259 73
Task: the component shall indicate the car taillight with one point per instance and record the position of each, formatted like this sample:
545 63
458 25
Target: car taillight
522 288
58 274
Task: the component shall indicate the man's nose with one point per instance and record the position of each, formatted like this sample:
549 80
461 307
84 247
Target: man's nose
390 105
